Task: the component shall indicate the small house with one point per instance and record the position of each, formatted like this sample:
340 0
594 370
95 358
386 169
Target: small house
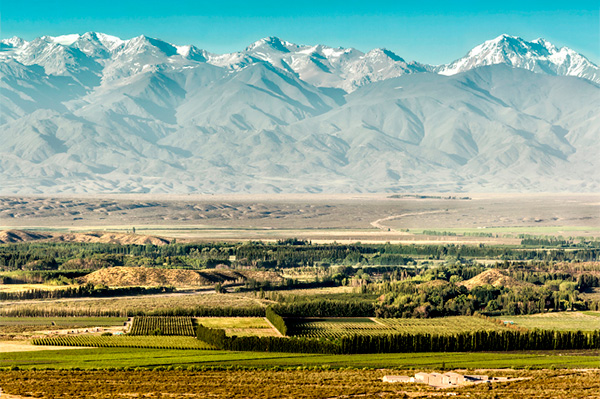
452 378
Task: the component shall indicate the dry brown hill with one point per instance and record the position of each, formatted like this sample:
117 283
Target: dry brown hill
148 276
16 236
495 278
112 238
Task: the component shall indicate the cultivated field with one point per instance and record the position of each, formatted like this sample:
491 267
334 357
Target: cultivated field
240 326
123 305
124 341
61 322
158 325
21 328
332 328
573 321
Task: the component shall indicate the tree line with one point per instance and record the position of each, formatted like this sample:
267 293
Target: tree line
474 341
54 256
88 290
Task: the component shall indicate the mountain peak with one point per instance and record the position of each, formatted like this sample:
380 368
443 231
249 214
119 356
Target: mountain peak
65 40
12 42
538 55
551 48
378 52
505 37
272 42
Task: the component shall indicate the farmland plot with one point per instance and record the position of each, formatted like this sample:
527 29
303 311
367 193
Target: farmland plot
442 325
561 321
156 325
333 328
158 342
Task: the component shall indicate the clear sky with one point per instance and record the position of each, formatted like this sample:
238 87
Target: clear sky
428 31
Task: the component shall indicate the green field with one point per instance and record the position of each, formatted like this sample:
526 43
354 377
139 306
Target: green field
337 327
102 358
584 321
124 341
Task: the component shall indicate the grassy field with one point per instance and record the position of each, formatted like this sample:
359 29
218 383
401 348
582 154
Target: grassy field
297 384
240 326
338 327
584 321
102 358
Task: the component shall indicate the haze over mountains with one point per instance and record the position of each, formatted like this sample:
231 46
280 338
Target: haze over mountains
94 113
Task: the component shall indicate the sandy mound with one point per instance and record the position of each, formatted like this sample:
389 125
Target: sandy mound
495 278
16 236
147 276
112 238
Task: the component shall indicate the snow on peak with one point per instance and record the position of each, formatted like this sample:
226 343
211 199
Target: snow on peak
192 53
382 52
65 40
109 41
13 42
274 43
503 37
331 52
543 42
538 55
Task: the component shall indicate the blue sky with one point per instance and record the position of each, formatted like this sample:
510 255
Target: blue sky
428 31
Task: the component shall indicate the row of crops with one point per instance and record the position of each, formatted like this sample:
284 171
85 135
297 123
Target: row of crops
334 328
124 341
442 325
156 325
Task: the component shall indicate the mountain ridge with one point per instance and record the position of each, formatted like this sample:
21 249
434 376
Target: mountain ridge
540 56
100 114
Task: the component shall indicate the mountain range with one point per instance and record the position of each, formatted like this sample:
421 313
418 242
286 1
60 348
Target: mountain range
93 113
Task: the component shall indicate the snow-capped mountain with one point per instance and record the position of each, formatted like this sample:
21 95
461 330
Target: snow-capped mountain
94 113
538 56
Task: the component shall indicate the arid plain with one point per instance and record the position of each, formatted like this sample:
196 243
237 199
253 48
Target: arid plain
321 218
